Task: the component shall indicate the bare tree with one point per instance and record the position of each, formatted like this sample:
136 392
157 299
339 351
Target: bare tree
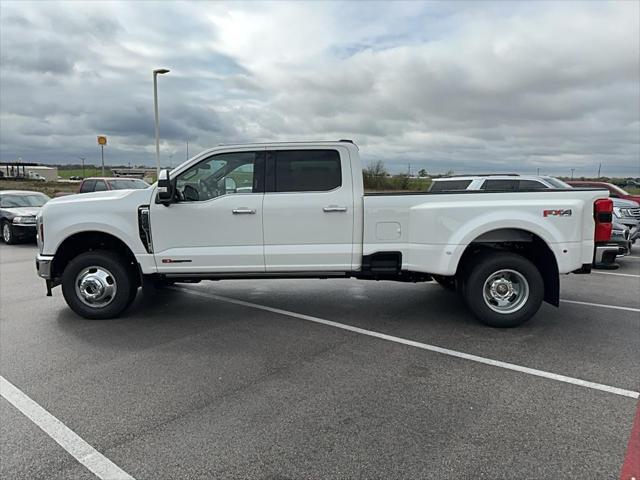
375 175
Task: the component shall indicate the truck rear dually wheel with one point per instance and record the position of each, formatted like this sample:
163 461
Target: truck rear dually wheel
98 285
503 289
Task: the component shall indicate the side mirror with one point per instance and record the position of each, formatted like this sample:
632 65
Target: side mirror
165 188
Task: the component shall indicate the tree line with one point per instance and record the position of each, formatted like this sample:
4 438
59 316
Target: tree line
376 177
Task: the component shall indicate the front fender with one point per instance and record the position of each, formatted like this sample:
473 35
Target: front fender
114 213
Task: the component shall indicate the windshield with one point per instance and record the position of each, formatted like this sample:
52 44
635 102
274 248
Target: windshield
23 200
557 183
128 183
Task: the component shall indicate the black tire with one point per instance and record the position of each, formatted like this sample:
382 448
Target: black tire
133 291
118 271
448 283
515 268
8 235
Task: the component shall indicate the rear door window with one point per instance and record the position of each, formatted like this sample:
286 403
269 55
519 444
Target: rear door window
449 185
505 185
307 171
101 185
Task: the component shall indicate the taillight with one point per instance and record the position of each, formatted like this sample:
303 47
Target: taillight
603 215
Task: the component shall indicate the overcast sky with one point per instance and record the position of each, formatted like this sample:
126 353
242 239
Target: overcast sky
464 86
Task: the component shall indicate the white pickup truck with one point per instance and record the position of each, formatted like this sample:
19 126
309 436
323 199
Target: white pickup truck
298 210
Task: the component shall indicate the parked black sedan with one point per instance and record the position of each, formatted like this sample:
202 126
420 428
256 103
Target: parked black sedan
18 210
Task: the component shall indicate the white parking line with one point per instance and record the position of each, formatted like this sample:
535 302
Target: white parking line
617 274
88 456
424 346
601 305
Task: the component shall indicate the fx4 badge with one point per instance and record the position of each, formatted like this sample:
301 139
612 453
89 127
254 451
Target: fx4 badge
557 213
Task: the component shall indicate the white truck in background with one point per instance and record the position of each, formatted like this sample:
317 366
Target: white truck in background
299 210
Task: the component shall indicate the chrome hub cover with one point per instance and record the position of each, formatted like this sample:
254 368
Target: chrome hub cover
506 291
96 287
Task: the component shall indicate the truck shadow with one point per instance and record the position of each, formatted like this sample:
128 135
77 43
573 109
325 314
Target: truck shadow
154 318
167 315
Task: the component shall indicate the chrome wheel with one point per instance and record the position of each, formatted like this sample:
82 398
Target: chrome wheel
96 287
506 291
6 233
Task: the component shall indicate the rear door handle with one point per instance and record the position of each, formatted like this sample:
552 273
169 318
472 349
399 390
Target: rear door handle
243 210
334 208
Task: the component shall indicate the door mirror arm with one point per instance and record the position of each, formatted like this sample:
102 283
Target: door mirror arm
166 189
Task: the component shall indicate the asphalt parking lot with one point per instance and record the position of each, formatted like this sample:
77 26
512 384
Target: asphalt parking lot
251 379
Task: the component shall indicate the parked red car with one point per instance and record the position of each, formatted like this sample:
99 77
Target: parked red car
614 190
99 184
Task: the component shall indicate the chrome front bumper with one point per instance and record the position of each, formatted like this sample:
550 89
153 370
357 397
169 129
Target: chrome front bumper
43 266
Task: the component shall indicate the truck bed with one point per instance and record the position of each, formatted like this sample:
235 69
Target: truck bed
433 229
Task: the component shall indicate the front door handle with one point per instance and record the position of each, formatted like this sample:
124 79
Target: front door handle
334 208
243 210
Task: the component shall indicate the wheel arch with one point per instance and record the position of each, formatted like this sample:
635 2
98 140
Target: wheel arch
522 242
87 241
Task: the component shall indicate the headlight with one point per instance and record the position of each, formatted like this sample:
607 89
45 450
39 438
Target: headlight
23 220
622 212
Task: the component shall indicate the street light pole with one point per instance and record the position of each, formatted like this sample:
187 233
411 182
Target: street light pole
102 155
156 72
82 160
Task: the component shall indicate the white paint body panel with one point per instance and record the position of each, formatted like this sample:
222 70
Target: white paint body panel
436 228
291 232
114 212
299 235
208 235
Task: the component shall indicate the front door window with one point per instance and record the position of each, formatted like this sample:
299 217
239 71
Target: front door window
223 174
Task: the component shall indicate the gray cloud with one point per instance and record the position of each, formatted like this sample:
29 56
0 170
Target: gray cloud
469 86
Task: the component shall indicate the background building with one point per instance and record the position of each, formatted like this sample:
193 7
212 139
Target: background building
28 170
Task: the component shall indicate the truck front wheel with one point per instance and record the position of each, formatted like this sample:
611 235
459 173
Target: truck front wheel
503 289
98 285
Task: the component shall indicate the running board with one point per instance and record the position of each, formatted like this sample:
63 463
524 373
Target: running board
255 275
